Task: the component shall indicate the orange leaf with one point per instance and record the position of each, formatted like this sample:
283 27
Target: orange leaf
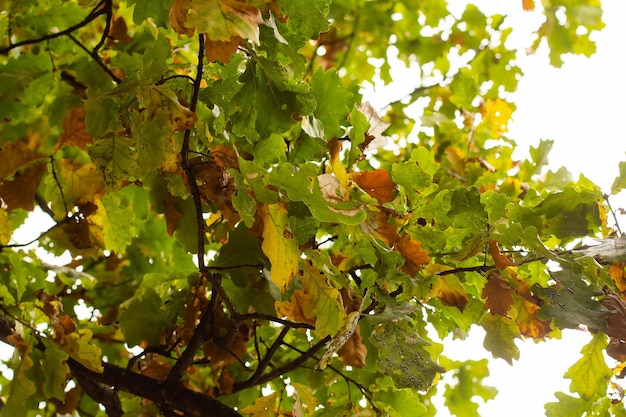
498 294
500 260
376 183
292 310
74 132
618 274
354 352
221 51
13 156
156 369
20 192
528 5
414 257
178 17
450 291
527 321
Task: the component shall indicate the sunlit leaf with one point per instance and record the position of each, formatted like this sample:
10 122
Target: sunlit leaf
279 245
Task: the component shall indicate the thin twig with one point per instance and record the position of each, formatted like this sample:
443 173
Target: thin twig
93 14
261 316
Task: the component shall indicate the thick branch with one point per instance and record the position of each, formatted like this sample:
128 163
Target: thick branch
166 395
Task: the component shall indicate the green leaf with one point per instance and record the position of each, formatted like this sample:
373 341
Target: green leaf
401 355
55 370
566 406
590 374
334 101
19 390
157 10
144 319
118 218
620 181
77 345
470 375
573 302
500 337
321 300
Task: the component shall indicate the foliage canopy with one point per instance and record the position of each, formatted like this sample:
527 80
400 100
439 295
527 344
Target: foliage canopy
247 236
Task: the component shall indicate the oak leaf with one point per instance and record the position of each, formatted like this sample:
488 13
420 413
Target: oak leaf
528 322
500 260
376 183
373 137
616 320
617 272
74 132
279 245
528 5
498 293
221 51
354 352
13 156
450 291
20 192
414 256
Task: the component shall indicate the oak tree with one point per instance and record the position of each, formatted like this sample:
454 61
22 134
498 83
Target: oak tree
236 231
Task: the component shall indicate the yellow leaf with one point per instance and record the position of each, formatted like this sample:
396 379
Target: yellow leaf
81 183
78 346
319 299
279 245
528 5
5 227
263 406
496 116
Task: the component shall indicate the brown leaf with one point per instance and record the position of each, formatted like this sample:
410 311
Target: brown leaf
498 294
414 257
617 349
354 352
616 321
499 259
13 156
527 321
376 183
119 31
221 355
156 369
74 132
450 291
178 17
77 231
225 382
292 310
20 192
221 51
172 215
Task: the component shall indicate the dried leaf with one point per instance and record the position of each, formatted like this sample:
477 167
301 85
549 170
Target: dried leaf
499 259
616 320
376 183
20 192
354 352
450 291
156 369
414 257
221 51
13 156
528 322
528 5
498 294
373 138
74 133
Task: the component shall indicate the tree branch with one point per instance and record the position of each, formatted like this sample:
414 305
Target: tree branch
98 10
